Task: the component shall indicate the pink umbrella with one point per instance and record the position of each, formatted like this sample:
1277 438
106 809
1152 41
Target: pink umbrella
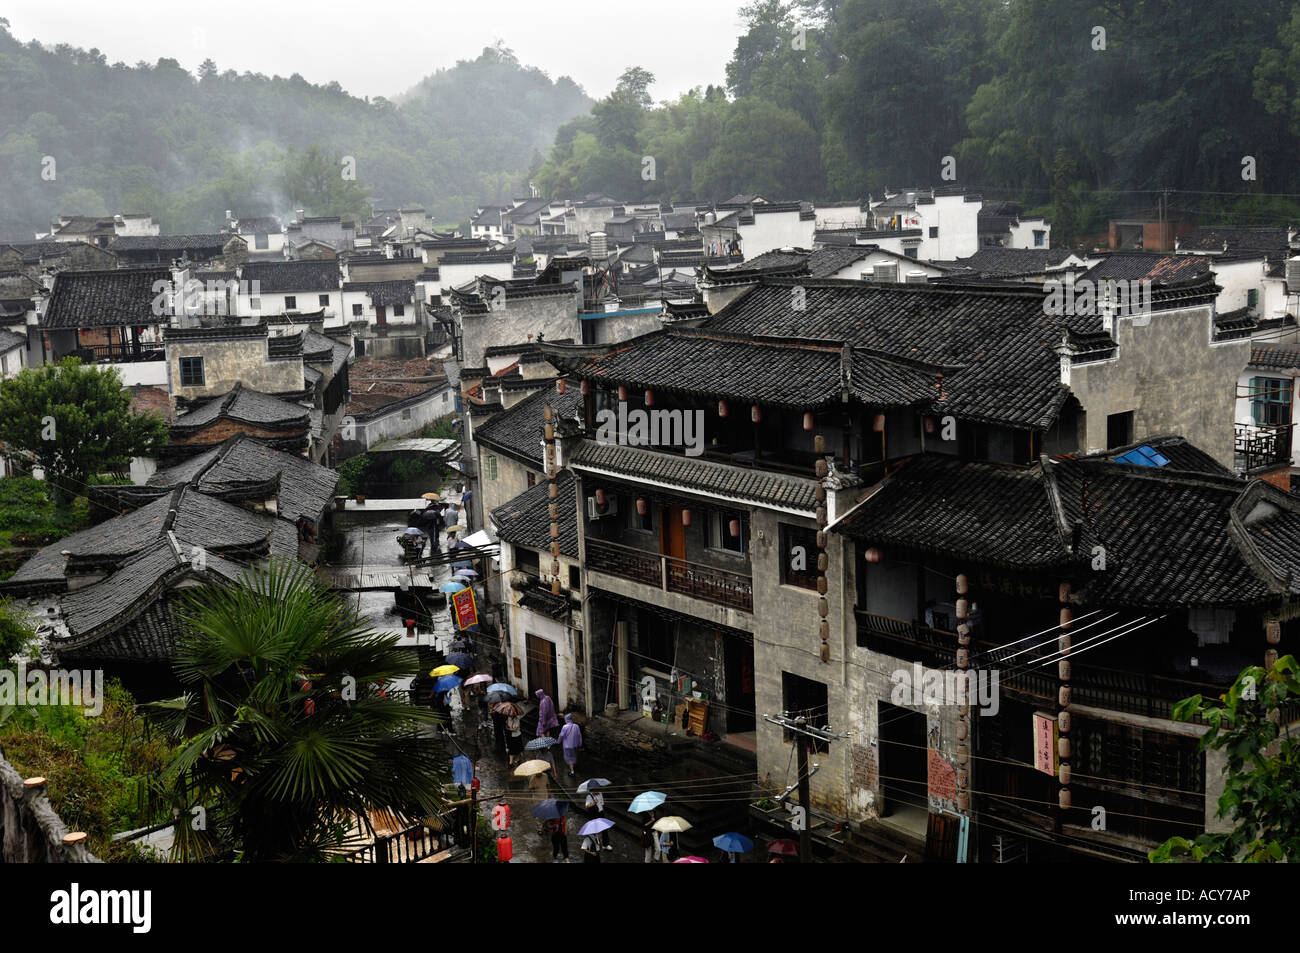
478 679
691 860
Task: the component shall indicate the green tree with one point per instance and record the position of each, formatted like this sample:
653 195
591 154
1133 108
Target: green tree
314 180
281 769
16 630
76 421
1261 788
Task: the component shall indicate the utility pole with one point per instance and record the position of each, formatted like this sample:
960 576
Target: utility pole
805 734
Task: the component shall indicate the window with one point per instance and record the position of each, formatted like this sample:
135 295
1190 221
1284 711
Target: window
910 252
526 560
1252 298
1119 429
798 557
973 441
323 301
575 578
398 310
290 302
1270 400
191 372
255 304
261 241
490 465
356 311
934 231
720 531
803 696
642 521
1040 237
531 477
406 413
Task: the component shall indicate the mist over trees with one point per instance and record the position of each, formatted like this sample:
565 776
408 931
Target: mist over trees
184 147
1073 108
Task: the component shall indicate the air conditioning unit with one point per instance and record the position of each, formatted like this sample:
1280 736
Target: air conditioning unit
916 278
595 511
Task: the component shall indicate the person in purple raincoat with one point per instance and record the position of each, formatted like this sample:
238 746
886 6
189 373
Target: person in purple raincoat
547 723
571 741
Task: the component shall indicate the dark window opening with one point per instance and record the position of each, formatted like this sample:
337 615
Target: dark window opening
1119 429
798 557
803 697
191 372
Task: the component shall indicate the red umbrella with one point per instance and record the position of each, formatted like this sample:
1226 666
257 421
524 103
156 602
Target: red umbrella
784 846
509 709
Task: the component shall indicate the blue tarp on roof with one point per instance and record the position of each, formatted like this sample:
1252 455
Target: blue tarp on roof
1143 456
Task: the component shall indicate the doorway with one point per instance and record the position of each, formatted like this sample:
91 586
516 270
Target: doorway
381 315
672 541
739 664
542 668
904 781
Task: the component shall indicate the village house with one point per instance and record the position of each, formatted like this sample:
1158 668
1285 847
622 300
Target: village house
947 220
263 234
275 287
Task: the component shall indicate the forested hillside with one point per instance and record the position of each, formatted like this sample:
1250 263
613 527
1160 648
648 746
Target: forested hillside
1076 108
157 139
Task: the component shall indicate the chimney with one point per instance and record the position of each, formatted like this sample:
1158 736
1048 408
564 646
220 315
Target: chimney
302 214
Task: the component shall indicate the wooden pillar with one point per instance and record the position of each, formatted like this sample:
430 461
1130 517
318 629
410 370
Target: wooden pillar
823 560
962 585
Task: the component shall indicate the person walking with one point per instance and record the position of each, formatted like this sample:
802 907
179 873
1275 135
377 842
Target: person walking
571 741
514 739
547 723
650 838
499 731
597 800
590 850
559 839
667 847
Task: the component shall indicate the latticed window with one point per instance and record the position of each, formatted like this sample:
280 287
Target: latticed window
1270 400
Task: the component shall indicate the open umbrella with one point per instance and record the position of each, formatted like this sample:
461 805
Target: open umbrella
646 802
733 843
444 670
461 544
494 698
784 846
529 768
465 574
597 826
509 709
452 587
550 809
502 687
461 660
541 744
446 683
431 496
691 859
672 824
413 531
586 787
458 528
478 679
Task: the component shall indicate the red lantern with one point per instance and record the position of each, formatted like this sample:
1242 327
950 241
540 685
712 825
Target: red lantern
473 784
309 707
649 398
755 413
872 555
600 497
722 408
878 424
505 849
686 517
641 506
807 421
735 528
622 394
559 386
584 388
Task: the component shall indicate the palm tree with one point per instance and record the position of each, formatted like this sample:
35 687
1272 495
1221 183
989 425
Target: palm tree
287 738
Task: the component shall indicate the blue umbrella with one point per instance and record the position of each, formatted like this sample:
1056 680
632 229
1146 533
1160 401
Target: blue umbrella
494 697
452 587
446 683
541 744
462 660
597 826
462 772
502 687
586 787
733 843
646 802
550 809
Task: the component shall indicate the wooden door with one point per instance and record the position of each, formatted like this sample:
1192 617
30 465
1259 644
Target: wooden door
381 315
542 667
672 541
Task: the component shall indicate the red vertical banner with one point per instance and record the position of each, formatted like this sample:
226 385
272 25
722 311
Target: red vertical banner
466 613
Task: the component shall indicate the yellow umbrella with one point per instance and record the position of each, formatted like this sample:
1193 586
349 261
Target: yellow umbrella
455 529
445 670
529 768
672 824
431 496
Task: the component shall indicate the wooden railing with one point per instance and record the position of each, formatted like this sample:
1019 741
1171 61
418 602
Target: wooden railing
119 353
1260 445
670 574
911 641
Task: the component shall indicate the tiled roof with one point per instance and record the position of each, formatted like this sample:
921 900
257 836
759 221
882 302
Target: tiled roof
1157 267
206 242
763 487
243 404
385 294
91 299
525 520
517 432
317 348
1009 262
1275 356
261 224
277 277
305 487
1267 239
1181 453
10 340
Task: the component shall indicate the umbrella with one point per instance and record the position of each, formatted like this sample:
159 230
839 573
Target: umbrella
646 802
502 687
466 573
446 683
431 496
461 660
692 859
550 809
478 679
733 843
597 826
586 787
783 846
445 670
459 527
541 744
672 824
452 587
509 709
495 697
413 531
529 768
461 544
462 771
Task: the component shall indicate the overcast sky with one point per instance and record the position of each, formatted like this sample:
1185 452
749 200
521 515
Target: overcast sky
383 48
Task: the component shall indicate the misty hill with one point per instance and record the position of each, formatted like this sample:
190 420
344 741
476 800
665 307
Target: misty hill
78 135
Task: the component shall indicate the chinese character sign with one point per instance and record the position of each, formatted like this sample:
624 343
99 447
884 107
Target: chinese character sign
1044 743
466 613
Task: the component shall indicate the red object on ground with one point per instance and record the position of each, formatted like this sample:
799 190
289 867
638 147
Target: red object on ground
505 849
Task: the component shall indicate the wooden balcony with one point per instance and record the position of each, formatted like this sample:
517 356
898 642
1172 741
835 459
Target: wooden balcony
670 574
911 641
119 353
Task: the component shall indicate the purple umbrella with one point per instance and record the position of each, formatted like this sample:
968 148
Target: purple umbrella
599 825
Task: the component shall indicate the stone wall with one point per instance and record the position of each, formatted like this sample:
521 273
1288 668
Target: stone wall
30 830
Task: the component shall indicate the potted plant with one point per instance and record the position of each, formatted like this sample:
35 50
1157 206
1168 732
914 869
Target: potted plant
361 499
